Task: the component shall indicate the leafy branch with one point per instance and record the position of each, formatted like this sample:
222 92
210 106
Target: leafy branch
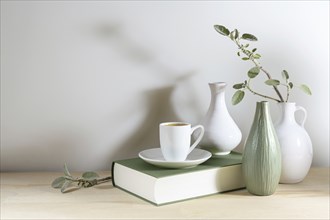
252 55
88 179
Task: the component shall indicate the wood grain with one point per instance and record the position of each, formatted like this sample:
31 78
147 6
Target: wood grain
29 196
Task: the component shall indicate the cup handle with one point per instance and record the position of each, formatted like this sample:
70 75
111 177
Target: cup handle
199 138
302 123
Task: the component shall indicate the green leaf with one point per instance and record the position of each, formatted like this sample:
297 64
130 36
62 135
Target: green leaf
253 72
237 97
245 58
66 170
58 182
234 34
254 50
256 56
90 175
238 86
305 89
221 30
285 75
249 37
290 85
65 185
247 45
272 82
238 53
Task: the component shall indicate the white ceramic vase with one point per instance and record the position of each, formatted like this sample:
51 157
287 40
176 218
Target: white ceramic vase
221 134
296 145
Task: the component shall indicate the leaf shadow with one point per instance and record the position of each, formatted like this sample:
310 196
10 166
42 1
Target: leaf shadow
71 189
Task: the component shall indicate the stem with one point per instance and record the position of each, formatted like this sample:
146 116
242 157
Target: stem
269 77
89 183
287 91
103 180
257 64
256 93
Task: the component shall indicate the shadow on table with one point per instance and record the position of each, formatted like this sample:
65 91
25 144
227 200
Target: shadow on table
104 186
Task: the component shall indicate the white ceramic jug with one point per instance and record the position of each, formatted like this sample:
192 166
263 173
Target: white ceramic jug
296 145
221 134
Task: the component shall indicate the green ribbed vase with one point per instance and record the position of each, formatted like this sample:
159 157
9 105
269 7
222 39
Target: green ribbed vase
262 154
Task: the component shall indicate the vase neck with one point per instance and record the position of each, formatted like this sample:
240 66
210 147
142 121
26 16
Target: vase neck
218 95
287 112
218 87
262 111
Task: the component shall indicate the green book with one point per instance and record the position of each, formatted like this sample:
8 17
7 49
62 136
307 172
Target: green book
161 186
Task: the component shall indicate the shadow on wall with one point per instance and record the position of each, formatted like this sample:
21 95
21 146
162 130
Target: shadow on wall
57 147
146 136
112 33
159 103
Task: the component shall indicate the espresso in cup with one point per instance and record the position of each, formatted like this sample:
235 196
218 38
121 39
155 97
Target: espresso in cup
175 140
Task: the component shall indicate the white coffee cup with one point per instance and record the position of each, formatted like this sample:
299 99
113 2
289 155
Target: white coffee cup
175 140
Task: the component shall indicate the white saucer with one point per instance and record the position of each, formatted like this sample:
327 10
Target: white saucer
154 156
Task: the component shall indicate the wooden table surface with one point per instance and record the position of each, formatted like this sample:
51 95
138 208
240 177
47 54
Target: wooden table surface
29 196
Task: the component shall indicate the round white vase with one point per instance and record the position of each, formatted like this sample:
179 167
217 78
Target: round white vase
221 134
296 145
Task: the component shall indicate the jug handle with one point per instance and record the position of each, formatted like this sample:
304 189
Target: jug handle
299 108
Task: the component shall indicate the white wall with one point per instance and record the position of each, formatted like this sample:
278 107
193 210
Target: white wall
88 82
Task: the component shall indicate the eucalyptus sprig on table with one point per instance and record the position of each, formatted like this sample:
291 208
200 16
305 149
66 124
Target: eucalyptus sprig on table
252 55
88 179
